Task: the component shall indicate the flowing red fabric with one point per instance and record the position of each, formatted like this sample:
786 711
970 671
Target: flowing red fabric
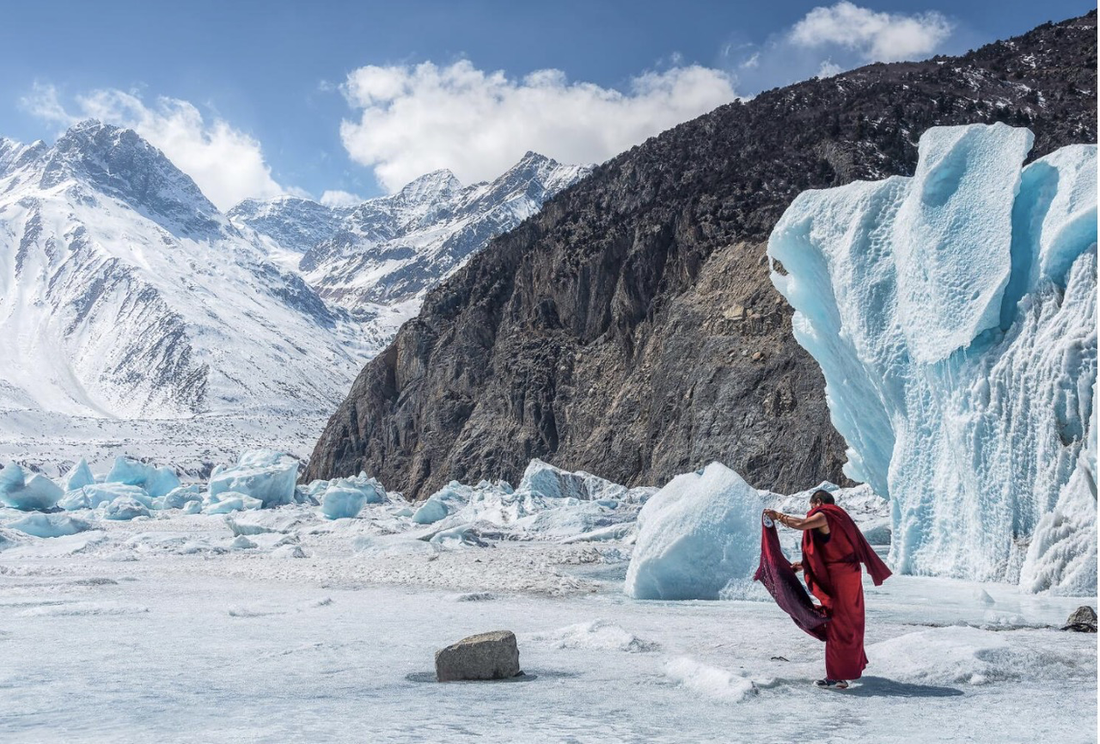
832 567
777 576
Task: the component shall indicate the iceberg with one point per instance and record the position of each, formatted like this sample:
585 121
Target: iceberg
266 475
178 498
49 525
79 475
346 497
155 481
695 536
953 314
27 494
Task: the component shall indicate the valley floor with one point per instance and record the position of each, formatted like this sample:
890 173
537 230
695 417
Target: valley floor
162 629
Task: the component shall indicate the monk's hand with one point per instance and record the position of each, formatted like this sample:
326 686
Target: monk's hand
796 566
771 514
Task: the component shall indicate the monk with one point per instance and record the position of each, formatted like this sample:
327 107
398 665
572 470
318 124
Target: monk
832 550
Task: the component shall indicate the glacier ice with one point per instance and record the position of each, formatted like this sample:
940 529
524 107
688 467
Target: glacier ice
446 501
346 497
696 535
49 525
79 475
27 494
341 503
266 475
953 315
177 498
225 502
123 508
155 481
90 497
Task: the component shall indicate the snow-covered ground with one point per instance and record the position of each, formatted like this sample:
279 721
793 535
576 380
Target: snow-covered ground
172 627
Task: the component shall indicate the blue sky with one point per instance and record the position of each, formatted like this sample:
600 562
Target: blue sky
253 98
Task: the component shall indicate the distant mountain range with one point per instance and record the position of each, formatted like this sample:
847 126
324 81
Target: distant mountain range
124 293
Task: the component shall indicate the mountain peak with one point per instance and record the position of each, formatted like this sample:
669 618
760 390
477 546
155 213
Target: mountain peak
431 186
122 164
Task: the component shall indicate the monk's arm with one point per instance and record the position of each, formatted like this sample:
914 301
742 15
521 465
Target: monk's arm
798 523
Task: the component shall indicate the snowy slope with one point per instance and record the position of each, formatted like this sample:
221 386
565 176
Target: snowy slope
391 249
125 293
954 317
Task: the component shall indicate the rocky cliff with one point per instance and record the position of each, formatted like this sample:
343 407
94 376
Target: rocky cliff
630 329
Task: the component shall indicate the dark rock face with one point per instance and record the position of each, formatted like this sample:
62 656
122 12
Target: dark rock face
492 655
630 328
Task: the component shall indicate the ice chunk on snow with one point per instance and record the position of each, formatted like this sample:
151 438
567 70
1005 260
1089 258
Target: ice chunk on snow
79 475
49 525
27 494
124 508
341 503
90 497
954 318
346 497
230 501
547 481
444 502
261 474
599 634
695 535
709 681
177 498
155 481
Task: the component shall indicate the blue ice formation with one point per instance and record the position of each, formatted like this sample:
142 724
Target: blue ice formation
79 475
90 497
266 475
49 525
155 481
953 314
696 535
36 492
346 497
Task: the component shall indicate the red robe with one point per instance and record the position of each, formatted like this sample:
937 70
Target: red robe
831 566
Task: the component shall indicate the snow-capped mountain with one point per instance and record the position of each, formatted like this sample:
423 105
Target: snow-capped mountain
125 293
391 249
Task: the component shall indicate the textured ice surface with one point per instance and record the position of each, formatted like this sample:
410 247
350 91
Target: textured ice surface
90 497
177 498
79 475
340 502
266 475
27 493
123 508
155 481
49 525
695 535
225 502
954 317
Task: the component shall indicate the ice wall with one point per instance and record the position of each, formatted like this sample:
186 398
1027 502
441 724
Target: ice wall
953 314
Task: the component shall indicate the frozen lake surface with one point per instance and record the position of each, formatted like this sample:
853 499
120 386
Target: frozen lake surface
163 629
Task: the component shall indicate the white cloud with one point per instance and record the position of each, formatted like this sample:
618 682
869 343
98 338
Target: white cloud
226 163
876 36
416 119
828 69
337 198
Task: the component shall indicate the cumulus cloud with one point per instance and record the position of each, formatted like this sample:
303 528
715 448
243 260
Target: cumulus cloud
337 198
416 119
226 163
876 36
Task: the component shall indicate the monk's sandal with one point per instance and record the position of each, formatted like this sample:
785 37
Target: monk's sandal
837 683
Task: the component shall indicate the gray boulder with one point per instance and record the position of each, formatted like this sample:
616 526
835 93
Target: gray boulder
484 656
1083 620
